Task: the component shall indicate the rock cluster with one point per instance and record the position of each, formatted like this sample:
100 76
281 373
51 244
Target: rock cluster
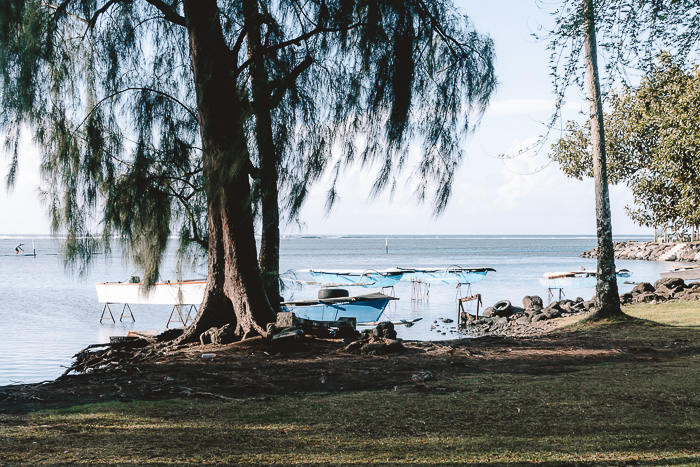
530 319
669 288
378 341
652 251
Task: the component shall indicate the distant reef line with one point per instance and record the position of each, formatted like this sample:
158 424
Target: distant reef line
652 251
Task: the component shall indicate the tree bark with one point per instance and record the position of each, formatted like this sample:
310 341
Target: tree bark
269 260
607 297
234 292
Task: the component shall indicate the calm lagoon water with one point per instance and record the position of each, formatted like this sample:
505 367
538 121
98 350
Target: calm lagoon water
48 314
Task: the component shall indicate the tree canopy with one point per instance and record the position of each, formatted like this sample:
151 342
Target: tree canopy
653 139
149 115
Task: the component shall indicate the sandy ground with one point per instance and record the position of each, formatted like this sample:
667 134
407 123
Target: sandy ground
255 368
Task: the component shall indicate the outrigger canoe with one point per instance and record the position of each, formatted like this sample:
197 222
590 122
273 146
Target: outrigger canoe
448 275
356 277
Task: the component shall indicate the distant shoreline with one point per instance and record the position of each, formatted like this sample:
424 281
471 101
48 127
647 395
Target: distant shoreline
652 251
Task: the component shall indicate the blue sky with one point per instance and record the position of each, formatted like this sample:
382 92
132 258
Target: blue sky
491 196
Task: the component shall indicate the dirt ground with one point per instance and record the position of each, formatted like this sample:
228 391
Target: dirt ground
254 368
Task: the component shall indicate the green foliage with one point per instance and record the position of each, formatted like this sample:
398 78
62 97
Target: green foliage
630 35
108 90
652 140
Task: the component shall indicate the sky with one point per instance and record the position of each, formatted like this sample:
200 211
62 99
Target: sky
491 196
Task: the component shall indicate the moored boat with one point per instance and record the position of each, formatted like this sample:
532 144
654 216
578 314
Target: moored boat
186 292
684 272
357 277
580 278
364 308
448 275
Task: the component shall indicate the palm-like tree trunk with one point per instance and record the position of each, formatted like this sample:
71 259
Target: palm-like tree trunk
607 298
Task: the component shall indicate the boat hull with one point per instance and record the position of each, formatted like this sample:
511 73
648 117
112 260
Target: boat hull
363 308
162 293
357 278
691 273
573 279
447 276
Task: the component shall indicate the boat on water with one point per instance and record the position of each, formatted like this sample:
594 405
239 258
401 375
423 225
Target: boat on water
364 308
684 272
382 278
449 275
580 278
186 292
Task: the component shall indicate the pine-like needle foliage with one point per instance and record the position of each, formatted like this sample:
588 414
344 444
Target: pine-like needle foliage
106 88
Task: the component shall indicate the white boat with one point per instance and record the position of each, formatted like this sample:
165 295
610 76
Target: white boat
684 272
580 278
187 292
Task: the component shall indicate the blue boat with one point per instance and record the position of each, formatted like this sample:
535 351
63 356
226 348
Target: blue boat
356 277
448 275
364 308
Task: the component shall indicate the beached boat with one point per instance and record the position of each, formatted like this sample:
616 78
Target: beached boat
580 278
364 308
355 277
448 275
187 292
684 272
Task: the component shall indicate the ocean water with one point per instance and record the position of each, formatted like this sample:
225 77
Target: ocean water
48 313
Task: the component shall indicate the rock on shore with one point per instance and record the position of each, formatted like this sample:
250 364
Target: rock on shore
533 318
652 251
665 289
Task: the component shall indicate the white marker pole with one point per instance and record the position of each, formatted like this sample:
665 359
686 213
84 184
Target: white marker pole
386 244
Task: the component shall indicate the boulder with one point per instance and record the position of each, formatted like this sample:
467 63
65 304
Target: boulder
385 329
382 347
532 302
538 317
523 320
645 297
551 313
488 312
288 339
643 287
669 282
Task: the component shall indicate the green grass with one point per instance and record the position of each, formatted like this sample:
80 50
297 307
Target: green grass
644 411
670 313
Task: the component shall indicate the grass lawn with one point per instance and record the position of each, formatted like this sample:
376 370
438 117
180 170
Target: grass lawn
638 411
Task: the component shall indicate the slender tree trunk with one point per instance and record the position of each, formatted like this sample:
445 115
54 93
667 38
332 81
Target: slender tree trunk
607 298
270 242
234 292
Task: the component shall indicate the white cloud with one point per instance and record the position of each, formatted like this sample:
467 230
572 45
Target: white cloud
515 107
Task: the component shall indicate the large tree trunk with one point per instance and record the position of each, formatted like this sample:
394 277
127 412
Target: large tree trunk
270 242
607 298
234 292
